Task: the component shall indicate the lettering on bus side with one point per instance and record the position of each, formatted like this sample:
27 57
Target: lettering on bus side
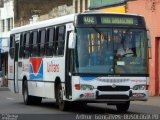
11 69
52 67
25 67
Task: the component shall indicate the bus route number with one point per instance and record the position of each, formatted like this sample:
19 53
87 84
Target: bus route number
89 20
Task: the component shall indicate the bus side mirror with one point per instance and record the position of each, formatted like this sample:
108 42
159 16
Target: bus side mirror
72 41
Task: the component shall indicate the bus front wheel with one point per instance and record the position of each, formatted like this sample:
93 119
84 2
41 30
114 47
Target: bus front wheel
123 107
62 104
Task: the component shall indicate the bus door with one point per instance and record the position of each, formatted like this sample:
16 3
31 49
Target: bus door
68 64
17 38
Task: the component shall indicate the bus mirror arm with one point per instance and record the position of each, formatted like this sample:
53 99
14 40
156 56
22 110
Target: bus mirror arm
72 42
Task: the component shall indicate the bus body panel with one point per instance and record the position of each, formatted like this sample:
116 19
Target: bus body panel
53 67
112 82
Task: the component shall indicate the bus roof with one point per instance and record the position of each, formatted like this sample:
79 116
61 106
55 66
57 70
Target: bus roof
112 13
46 23
61 20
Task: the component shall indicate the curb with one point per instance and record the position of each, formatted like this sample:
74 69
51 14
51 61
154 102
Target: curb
4 89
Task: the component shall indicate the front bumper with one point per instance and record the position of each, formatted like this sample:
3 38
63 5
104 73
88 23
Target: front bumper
140 95
104 96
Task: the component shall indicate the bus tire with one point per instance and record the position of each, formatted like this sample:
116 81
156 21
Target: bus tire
26 98
36 100
62 104
123 107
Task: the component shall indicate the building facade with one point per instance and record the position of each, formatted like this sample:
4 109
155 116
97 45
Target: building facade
81 5
25 10
76 7
6 23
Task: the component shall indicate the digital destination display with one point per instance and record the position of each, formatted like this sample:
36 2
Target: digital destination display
103 19
117 20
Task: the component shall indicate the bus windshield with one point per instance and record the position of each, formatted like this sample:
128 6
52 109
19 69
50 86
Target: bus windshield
111 51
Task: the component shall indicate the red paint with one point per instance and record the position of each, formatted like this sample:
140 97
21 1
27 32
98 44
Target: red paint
36 63
11 69
52 67
156 68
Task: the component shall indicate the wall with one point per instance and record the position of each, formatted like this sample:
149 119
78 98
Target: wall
8 6
150 9
117 9
100 3
81 5
25 9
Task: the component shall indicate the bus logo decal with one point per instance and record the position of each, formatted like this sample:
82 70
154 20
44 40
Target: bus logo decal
113 86
36 69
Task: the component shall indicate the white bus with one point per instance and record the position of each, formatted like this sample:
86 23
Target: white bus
86 57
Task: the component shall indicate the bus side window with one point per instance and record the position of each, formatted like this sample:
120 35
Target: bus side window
60 31
49 46
12 42
21 46
31 44
24 45
27 52
42 37
35 46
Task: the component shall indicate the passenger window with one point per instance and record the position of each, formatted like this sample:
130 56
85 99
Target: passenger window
60 40
35 45
21 52
31 44
49 46
27 51
42 36
12 42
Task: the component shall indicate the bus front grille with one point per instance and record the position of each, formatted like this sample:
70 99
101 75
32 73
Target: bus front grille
125 97
115 88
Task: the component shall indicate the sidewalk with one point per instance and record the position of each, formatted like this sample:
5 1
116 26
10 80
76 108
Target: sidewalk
154 101
4 89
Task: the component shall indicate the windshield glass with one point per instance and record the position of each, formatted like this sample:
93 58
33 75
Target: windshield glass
111 51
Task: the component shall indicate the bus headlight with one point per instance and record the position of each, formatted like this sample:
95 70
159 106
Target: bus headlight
86 87
139 87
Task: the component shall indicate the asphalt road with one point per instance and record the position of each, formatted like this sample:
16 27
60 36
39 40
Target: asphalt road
12 104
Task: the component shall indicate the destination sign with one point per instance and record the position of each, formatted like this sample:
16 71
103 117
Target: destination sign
117 20
103 19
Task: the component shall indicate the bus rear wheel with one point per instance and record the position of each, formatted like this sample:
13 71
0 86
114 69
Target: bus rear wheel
62 104
28 100
123 107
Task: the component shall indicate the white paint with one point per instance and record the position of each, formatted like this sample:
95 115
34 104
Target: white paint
10 98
